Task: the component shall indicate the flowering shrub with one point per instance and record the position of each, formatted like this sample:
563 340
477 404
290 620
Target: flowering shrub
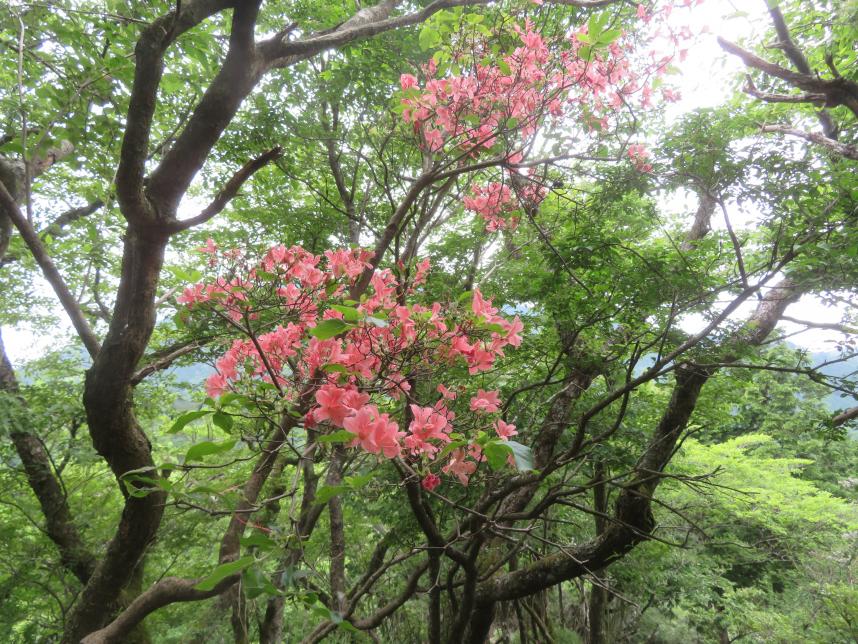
361 371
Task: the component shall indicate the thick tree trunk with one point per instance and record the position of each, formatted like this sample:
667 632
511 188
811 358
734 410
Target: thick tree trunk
115 432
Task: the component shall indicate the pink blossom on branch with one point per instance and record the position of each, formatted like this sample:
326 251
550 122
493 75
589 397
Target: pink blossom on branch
352 376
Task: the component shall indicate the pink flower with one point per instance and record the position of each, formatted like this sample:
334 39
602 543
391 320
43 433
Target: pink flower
485 401
331 405
430 482
480 360
434 139
505 430
446 393
362 425
386 436
482 307
209 248
429 424
639 155
513 330
407 80
459 466
215 385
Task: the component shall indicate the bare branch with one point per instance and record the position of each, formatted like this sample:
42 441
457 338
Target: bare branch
49 270
373 21
230 190
845 416
831 326
149 53
57 227
751 89
164 360
837 91
847 151
797 58
168 590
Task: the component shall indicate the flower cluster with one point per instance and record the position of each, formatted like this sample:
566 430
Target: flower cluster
639 155
362 365
496 103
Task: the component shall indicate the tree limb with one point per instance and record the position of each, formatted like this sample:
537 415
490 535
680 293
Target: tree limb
846 151
50 271
845 416
230 189
837 91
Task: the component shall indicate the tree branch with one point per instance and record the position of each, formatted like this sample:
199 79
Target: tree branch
837 91
49 270
167 591
845 416
164 359
149 56
846 151
797 58
632 521
239 74
230 189
59 525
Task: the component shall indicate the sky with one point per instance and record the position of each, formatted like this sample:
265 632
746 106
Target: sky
708 79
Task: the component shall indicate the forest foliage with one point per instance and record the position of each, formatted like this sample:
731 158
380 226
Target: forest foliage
421 321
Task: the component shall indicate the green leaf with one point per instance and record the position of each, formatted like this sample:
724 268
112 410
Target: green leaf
256 583
350 314
359 480
522 454
334 368
187 417
339 436
328 329
258 540
609 35
327 492
222 572
449 447
208 448
496 453
493 327
222 420
230 397
429 37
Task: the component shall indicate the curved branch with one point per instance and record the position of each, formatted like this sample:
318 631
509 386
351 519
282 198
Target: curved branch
846 151
167 591
50 271
230 189
149 55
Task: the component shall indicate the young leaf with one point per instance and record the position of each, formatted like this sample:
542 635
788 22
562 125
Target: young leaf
522 454
327 329
496 453
222 572
327 492
186 418
256 583
222 420
207 448
258 540
350 314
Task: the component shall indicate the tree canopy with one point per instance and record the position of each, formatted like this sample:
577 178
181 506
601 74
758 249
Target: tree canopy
426 321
